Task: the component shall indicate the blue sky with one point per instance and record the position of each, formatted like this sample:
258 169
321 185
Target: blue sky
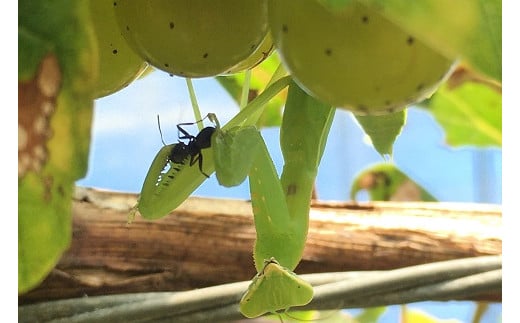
126 139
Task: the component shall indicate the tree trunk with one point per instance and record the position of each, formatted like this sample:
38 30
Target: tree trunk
207 242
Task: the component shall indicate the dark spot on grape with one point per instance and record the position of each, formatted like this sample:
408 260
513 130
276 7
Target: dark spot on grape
410 40
362 108
291 189
172 25
171 75
285 29
127 28
390 110
114 51
388 102
115 4
166 65
420 86
253 46
328 51
205 55
364 19
299 286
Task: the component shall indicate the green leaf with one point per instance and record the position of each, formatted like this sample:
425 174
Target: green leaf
383 130
56 73
274 288
470 30
234 151
44 226
385 182
470 113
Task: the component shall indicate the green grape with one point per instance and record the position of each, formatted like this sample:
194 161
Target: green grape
354 58
263 51
197 38
118 64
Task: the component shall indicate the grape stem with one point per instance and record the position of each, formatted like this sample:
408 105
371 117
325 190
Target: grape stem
245 89
194 104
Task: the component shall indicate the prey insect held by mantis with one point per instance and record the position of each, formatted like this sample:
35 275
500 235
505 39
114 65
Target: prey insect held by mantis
171 177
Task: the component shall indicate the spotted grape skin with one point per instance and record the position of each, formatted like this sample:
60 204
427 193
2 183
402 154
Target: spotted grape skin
118 64
354 58
196 38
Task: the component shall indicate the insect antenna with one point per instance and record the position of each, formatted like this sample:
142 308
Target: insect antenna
160 131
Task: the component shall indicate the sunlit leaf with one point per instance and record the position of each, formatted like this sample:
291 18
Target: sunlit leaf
260 77
56 73
470 114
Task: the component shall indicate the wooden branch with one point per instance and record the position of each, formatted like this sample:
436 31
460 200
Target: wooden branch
207 242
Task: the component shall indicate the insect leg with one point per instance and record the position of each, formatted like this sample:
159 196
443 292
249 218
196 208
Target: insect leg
186 135
198 158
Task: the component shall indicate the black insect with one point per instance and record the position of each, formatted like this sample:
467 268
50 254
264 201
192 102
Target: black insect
192 149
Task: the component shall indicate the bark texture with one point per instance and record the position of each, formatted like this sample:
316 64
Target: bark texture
207 242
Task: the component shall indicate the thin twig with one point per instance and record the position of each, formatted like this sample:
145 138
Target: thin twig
453 279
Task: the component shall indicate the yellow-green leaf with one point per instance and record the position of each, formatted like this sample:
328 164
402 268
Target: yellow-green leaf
260 77
56 73
470 113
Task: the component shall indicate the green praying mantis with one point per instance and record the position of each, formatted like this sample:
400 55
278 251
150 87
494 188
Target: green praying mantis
274 288
280 204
